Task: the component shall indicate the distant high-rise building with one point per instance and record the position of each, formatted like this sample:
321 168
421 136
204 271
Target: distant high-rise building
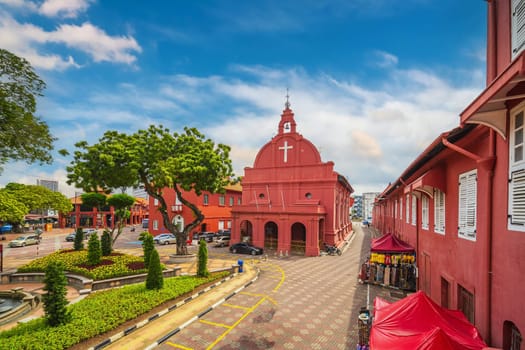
140 193
50 184
368 204
357 207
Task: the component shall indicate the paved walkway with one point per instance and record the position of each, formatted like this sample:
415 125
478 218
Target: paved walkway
294 303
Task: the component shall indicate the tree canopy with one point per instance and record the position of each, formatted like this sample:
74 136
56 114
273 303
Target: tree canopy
17 200
155 159
24 136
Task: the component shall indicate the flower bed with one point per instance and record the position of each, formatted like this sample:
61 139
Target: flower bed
114 265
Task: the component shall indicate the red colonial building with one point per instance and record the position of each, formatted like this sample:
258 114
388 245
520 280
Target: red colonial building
461 203
292 202
84 216
216 209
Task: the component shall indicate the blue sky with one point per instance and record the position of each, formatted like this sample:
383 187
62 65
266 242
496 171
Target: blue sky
371 82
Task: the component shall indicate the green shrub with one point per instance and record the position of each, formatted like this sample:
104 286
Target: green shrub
78 243
76 262
55 300
148 246
99 313
155 280
94 250
202 264
105 243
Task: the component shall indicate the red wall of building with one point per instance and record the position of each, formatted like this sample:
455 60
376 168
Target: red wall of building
213 211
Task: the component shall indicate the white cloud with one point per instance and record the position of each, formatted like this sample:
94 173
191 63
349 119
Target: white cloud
63 8
372 133
28 41
386 59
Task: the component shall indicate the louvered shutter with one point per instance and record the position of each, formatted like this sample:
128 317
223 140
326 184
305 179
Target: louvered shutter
518 26
439 211
467 205
517 200
424 212
414 209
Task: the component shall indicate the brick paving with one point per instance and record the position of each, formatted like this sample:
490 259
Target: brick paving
297 303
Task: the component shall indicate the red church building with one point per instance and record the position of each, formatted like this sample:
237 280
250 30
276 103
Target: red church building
292 202
461 203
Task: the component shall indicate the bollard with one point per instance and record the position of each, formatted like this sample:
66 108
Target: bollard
240 263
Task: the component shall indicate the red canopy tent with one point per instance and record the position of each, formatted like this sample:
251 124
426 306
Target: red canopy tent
416 322
389 243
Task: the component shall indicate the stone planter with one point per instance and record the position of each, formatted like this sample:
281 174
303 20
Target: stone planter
180 259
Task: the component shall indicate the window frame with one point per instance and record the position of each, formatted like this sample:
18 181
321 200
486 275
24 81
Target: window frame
516 186
414 210
206 199
407 208
425 212
467 205
439 211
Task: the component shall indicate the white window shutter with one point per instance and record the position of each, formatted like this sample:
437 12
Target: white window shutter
517 200
467 204
518 26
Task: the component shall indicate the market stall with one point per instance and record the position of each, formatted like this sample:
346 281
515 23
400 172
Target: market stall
391 264
416 322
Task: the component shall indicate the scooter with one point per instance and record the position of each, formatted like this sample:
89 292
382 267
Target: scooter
332 250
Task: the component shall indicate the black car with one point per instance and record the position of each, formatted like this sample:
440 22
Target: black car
245 248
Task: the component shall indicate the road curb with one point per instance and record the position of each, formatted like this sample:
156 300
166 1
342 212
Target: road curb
141 324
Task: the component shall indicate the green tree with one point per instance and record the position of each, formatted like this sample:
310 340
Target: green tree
147 246
121 203
94 251
24 136
78 243
155 159
202 264
94 200
155 279
40 198
55 300
11 210
105 243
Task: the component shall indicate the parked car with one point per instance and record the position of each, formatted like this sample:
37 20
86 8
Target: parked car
207 236
245 248
22 241
88 232
222 241
167 238
224 232
6 228
71 237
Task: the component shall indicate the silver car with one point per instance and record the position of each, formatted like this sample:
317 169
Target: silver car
165 238
22 241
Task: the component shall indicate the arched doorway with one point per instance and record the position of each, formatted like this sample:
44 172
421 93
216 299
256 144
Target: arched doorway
270 235
246 231
298 245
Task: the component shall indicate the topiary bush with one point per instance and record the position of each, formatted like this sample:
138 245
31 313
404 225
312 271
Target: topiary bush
147 246
105 243
94 250
155 280
55 300
202 265
78 243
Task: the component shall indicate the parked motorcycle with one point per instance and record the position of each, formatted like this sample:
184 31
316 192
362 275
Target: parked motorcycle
332 250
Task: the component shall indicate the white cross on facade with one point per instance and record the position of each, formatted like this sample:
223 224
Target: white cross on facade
285 148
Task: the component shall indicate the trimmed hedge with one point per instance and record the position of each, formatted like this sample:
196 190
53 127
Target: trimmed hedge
99 313
115 265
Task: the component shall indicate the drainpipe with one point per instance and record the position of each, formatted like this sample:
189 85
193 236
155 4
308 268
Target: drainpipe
486 164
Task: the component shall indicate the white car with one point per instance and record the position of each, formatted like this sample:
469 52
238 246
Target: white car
165 238
222 241
22 241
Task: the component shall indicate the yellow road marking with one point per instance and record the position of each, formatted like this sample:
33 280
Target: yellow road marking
236 306
253 294
216 324
178 346
236 323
